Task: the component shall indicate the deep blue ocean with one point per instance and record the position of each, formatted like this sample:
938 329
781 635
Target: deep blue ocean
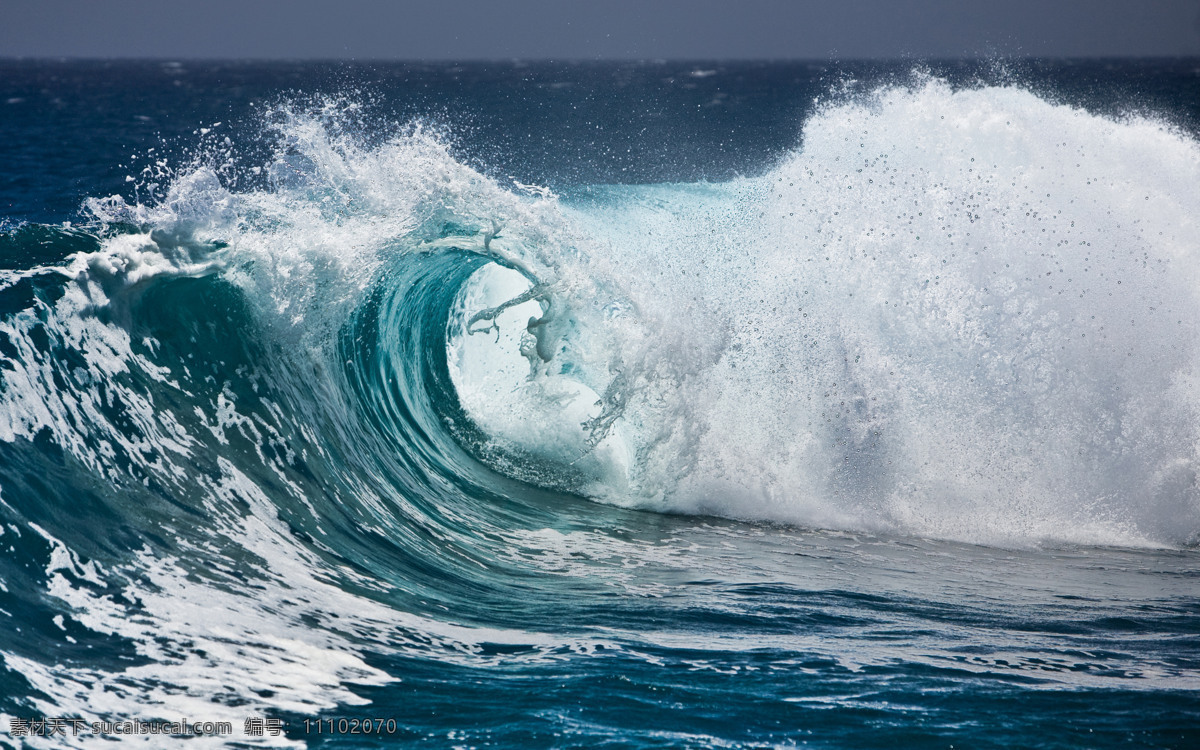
651 405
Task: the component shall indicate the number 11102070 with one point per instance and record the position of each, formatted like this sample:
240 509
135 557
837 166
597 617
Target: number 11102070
350 726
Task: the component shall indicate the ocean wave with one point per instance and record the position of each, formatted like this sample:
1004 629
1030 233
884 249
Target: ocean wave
960 313
371 386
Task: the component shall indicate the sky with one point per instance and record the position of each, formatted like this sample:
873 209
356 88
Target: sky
597 29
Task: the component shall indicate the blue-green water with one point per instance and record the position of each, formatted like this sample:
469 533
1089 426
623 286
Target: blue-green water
630 406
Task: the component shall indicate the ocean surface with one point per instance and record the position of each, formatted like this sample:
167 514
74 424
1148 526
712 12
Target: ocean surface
650 405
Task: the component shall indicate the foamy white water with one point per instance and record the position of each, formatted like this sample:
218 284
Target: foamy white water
963 314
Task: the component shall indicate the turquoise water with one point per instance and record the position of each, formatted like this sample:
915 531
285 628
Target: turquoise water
637 406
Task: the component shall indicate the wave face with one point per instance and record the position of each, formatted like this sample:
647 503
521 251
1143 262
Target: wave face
280 439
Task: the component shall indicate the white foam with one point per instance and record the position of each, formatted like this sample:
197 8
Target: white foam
965 314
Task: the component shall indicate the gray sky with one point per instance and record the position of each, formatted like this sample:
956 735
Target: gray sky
599 29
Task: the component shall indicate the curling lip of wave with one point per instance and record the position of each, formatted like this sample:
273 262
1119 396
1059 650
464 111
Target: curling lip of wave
901 327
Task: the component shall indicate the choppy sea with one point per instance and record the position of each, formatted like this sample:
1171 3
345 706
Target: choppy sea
651 405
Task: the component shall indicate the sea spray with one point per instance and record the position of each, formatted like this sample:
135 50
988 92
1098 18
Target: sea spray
959 313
